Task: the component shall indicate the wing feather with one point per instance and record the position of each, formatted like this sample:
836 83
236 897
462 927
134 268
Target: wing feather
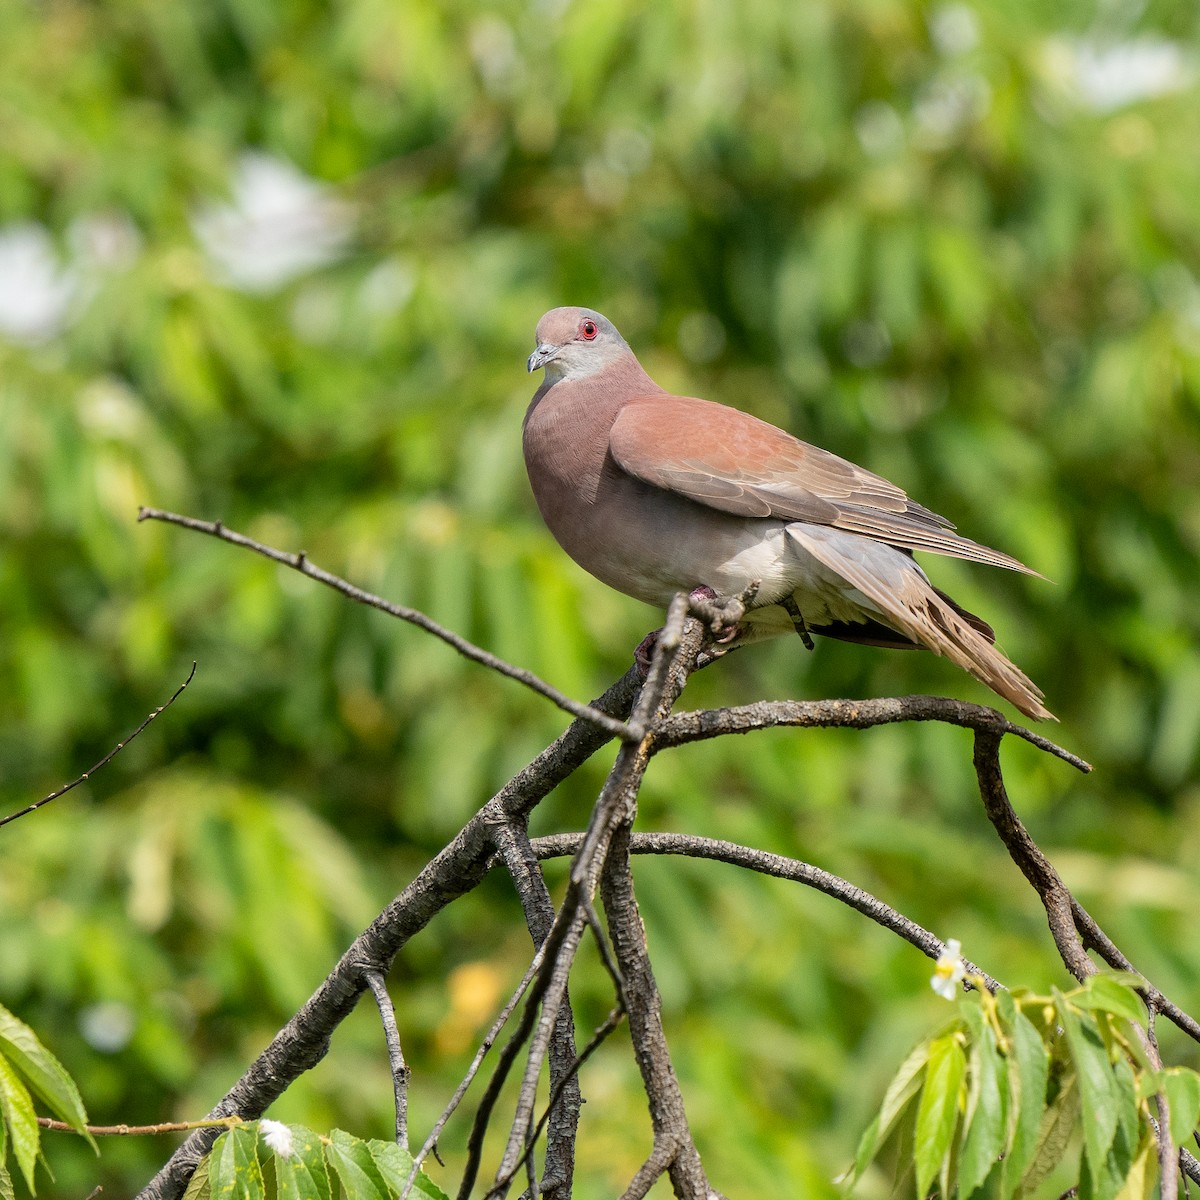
733 462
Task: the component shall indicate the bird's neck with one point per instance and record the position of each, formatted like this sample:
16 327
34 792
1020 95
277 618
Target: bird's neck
605 390
567 427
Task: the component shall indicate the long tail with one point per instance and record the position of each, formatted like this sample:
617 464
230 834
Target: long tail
894 583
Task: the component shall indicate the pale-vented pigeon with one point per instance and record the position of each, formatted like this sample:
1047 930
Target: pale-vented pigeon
656 494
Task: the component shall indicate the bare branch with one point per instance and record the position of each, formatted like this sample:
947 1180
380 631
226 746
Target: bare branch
399 1068
692 846
512 843
62 791
299 562
684 727
456 870
1028 856
488 1042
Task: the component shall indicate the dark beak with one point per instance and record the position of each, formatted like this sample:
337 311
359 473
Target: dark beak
542 355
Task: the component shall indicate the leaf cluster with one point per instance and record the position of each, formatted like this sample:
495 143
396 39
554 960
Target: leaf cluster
29 1070
316 1167
994 1101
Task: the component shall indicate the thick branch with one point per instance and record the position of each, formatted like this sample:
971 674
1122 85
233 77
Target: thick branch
680 728
303 1042
1026 853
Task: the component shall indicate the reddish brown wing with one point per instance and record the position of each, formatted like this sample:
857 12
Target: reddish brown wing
734 462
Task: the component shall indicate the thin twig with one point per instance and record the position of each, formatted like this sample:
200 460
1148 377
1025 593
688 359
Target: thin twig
685 845
299 562
140 1130
488 1042
399 1068
557 949
611 807
62 791
1094 938
661 1157
512 842
614 1018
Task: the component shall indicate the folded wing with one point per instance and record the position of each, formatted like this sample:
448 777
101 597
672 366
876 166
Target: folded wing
731 461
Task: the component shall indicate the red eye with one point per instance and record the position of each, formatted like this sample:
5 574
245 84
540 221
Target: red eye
588 329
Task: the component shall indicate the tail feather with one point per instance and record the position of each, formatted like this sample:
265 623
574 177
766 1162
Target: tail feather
898 588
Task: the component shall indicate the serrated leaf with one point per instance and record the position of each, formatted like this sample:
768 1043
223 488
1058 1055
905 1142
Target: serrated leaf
984 1122
1182 1088
16 1107
1111 994
904 1086
937 1114
198 1187
45 1075
1058 1123
395 1165
234 1171
1028 1071
303 1175
1098 1096
6 1184
351 1158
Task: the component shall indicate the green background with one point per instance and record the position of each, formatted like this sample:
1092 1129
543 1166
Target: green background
924 238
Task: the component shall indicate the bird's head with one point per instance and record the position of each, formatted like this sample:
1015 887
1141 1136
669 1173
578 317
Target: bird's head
573 343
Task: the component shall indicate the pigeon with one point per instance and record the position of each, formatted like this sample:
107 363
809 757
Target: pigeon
656 494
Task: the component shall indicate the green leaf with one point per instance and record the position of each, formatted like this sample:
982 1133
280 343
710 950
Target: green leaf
1113 994
16 1107
1143 1175
1182 1088
984 1122
234 1171
45 1075
6 1184
1059 1121
1098 1095
351 1158
199 1186
395 1165
904 1086
937 1116
1028 1070
303 1175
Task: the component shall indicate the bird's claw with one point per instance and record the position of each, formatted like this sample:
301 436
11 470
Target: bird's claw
789 605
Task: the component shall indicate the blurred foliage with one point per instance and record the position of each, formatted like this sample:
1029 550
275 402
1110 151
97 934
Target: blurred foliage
940 241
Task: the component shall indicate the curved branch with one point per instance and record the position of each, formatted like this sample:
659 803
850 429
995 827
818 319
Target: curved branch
780 867
1026 853
62 791
299 562
701 724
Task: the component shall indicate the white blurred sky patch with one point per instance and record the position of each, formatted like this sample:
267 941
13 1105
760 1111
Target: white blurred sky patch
1106 76
40 291
36 288
279 224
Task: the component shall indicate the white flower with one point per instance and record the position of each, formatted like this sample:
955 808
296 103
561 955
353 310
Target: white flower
948 972
277 1136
